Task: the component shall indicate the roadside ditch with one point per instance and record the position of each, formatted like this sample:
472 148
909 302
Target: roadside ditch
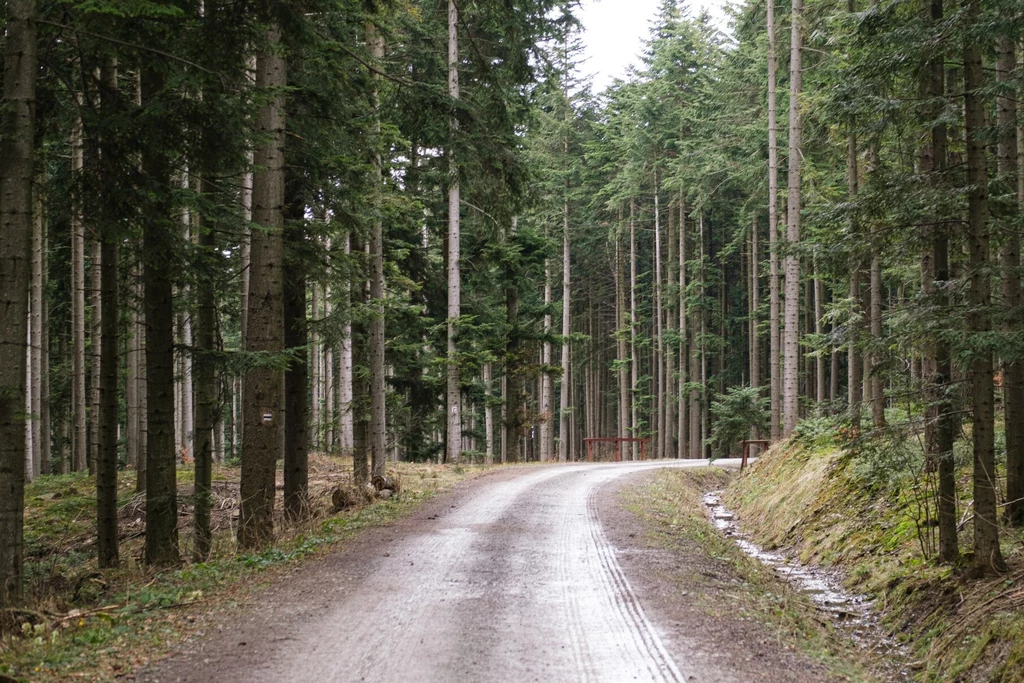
852 614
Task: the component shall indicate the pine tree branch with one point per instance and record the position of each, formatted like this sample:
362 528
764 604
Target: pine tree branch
369 67
134 46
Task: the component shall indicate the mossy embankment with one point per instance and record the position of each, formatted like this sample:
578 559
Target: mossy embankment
867 508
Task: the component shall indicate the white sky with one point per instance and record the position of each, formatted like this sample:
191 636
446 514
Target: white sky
614 29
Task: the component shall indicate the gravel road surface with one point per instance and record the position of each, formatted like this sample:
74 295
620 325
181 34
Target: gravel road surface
511 579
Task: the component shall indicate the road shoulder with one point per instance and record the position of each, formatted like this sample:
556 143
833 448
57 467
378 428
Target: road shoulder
719 612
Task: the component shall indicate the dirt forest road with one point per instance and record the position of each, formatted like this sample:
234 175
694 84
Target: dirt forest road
511 579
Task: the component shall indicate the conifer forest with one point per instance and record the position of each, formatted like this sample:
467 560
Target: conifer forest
246 243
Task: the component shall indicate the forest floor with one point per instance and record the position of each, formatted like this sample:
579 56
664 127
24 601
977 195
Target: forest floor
866 512
81 623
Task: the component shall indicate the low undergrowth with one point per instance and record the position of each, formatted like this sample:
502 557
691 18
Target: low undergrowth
79 622
731 582
867 506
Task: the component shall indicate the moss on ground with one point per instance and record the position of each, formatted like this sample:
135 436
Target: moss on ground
829 503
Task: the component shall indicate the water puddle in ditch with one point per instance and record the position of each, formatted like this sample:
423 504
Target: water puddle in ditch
852 614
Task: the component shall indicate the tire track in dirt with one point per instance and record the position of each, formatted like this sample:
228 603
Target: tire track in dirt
663 666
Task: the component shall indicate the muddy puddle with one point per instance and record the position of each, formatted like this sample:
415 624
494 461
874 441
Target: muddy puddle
852 614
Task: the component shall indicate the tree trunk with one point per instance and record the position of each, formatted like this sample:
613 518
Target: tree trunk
755 305
346 439
593 375
296 339
634 360
141 333
819 329
246 265
791 342
378 381
564 403
659 451
378 395
188 421
316 385
343 378
27 435
947 417
546 426
133 349
488 414
774 342
683 418
941 423
106 457
703 443
360 404
833 376
160 251
670 370
855 361
1009 259
333 389
39 343
45 441
80 429
454 392
16 170
620 337
179 379
263 387
360 398
877 385
504 436
95 348
695 395
204 367
987 555
512 381
107 417
65 434
218 431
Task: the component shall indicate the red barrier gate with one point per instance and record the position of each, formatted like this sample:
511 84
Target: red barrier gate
618 447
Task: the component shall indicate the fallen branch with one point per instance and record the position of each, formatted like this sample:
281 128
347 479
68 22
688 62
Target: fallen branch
966 518
77 614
